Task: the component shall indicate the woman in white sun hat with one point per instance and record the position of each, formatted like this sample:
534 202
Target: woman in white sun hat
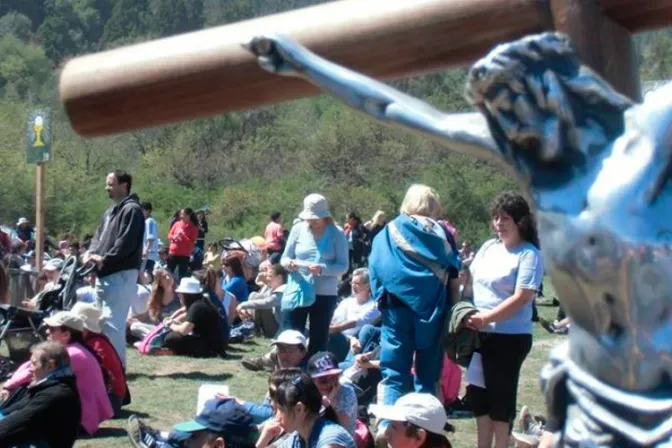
201 335
318 252
100 344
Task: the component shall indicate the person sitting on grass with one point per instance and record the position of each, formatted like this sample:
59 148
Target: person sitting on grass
100 344
323 369
416 421
263 307
351 315
66 328
163 304
46 412
291 352
200 335
298 403
222 423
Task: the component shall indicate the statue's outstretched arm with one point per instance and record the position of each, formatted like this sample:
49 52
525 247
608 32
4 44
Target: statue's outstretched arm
467 133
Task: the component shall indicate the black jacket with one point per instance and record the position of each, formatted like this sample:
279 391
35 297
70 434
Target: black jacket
49 411
119 238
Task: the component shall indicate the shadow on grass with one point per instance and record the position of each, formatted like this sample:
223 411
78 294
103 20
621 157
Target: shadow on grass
103 433
195 376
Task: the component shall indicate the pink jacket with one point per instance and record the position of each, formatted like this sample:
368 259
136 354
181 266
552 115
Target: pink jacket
96 406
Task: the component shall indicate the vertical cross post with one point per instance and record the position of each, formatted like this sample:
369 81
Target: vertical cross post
603 44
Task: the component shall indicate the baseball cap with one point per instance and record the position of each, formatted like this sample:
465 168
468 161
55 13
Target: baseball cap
323 364
65 319
291 337
423 410
226 418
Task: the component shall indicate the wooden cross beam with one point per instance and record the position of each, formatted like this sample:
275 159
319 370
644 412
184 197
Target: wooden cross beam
208 72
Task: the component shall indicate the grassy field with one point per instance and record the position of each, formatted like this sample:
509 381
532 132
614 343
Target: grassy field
164 389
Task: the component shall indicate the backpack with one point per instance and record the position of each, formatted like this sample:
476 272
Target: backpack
152 344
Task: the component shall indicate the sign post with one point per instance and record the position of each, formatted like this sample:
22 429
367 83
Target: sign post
38 133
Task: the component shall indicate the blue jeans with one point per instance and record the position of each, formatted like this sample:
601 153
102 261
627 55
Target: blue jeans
369 339
115 293
339 345
403 337
320 314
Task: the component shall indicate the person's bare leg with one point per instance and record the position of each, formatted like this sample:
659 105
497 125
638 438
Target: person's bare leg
484 431
546 440
501 433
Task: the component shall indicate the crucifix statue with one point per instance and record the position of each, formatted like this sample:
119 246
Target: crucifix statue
597 167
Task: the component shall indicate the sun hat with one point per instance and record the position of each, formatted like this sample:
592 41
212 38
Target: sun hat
291 337
22 221
315 207
65 319
225 418
323 364
189 285
55 264
90 314
423 410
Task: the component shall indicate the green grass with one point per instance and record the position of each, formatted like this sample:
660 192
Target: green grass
164 389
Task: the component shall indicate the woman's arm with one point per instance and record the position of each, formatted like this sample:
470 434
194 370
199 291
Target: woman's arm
184 328
289 254
465 133
340 265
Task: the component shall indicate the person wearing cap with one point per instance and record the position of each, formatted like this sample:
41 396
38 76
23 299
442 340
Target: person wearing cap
221 423
417 420
318 251
201 333
67 328
46 412
323 369
116 249
289 351
24 231
100 344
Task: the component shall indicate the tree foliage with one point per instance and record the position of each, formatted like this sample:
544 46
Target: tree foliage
243 165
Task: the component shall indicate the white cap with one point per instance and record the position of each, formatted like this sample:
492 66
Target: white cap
65 319
423 410
291 337
315 207
189 285
22 221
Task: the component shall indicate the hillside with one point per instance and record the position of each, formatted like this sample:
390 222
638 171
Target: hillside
244 165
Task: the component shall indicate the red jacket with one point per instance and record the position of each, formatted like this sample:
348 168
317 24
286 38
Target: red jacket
110 362
182 238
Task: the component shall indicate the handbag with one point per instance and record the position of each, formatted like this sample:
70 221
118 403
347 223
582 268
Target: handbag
299 291
300 287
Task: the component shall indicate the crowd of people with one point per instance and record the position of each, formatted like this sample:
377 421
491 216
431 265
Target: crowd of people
373 318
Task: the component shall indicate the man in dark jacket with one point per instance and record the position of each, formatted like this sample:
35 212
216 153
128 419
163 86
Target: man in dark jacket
48 411
117 250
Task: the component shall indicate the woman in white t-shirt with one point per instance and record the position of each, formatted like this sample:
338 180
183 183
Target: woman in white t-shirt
506 274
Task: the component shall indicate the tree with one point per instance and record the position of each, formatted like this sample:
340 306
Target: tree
16 24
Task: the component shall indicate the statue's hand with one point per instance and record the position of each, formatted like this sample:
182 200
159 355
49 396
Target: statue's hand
276 55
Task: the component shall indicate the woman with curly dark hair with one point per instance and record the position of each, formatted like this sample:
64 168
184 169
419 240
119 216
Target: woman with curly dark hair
506 274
